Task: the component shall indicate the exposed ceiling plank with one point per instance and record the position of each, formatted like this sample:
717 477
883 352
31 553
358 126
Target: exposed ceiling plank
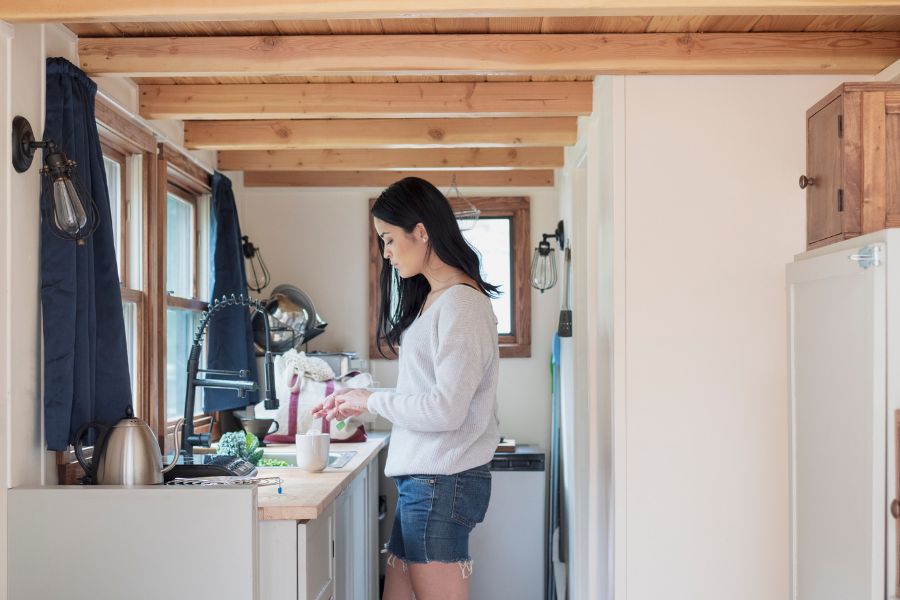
379 133
491 54
365 100
385 178
416 159
73 11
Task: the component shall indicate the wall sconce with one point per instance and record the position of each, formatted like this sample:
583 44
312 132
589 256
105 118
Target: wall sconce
543 265
67 205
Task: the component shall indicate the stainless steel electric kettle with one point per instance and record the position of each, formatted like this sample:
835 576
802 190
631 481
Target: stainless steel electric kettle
126 453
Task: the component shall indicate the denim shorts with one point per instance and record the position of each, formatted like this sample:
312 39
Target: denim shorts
436 513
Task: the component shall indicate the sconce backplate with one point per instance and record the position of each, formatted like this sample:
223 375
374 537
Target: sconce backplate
22 137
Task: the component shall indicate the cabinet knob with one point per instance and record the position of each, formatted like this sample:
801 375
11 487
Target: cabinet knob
895 509
805 181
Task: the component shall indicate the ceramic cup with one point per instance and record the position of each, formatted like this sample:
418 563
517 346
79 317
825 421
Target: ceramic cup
312 451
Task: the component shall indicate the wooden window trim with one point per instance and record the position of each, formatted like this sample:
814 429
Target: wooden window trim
517 208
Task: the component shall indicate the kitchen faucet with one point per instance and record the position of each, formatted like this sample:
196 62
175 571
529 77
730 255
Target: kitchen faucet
189 439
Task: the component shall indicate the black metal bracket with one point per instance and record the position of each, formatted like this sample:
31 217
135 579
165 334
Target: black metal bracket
558 235
24 144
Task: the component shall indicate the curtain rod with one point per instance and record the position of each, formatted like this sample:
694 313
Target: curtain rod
160 136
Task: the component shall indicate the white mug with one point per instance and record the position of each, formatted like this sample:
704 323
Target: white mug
312 450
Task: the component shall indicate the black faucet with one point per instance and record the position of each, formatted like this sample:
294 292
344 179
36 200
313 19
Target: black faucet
189 439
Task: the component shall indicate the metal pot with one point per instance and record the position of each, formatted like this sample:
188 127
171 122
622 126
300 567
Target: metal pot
126 453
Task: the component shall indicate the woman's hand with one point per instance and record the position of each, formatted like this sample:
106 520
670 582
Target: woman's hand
342 404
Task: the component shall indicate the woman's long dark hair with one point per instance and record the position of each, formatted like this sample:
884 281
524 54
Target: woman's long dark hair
405 204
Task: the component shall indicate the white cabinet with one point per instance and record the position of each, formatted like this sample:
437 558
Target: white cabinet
844 392
315 557
332 557
356 538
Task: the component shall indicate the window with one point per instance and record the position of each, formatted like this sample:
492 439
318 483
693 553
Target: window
129 160
181 245
114 164
118 167
502 238
492 237
185 218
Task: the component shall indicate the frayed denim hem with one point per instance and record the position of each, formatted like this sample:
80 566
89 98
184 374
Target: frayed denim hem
465 565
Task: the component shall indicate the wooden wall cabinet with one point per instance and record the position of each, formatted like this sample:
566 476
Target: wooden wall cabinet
852 178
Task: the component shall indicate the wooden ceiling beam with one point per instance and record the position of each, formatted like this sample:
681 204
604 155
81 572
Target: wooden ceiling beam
366 100
75 11
309 134
381 179
416 159
493 54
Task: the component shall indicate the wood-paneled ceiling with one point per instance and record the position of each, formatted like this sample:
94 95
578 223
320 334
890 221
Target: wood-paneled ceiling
314 101
481 25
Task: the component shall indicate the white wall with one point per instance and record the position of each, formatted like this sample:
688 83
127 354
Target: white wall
23 459
592 204
318 240
713 213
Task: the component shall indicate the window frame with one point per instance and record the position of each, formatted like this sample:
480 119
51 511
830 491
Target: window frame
516 208
179 176
121 139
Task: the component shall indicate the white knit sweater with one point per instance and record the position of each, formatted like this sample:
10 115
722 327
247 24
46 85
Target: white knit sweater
444 408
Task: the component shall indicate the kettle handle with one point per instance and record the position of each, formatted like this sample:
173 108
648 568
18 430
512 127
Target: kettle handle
172 464
79 450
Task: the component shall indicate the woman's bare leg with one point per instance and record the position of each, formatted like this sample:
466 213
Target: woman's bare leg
440 581
397 585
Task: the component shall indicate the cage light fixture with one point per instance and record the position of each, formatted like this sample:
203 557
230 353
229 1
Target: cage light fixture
67 207
543 264
465 212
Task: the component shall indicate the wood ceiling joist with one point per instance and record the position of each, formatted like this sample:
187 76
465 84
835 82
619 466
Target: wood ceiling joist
313 134
512 54
365 100
382 179
631 24
416 159
74 11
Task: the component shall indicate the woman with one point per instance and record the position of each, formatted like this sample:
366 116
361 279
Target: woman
444 408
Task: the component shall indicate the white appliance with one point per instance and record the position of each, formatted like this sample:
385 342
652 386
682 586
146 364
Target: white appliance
843 309
508 548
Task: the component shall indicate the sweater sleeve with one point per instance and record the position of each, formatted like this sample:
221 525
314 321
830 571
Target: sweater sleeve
465 349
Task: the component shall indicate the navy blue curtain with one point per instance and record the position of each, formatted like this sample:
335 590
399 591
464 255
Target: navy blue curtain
230 344
85 354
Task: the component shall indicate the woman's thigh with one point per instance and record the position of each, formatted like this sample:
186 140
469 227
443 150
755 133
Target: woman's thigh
435 515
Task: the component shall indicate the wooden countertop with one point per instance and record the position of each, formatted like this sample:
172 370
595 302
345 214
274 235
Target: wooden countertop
307 495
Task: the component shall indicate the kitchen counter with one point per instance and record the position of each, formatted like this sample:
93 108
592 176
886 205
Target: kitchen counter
306 495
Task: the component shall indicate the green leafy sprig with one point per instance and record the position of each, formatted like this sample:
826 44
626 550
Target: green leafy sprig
241 444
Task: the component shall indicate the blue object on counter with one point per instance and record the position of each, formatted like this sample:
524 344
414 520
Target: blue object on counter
230 346
86 375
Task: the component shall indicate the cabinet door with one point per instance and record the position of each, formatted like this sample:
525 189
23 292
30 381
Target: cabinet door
823 165
343 529
360 522
315 559
838 421
372 546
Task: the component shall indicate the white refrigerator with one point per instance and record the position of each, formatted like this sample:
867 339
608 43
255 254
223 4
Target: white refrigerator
843 321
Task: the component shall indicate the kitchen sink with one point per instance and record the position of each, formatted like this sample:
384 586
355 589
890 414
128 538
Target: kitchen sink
336 460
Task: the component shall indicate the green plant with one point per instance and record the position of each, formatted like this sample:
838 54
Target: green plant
271 462
241 444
